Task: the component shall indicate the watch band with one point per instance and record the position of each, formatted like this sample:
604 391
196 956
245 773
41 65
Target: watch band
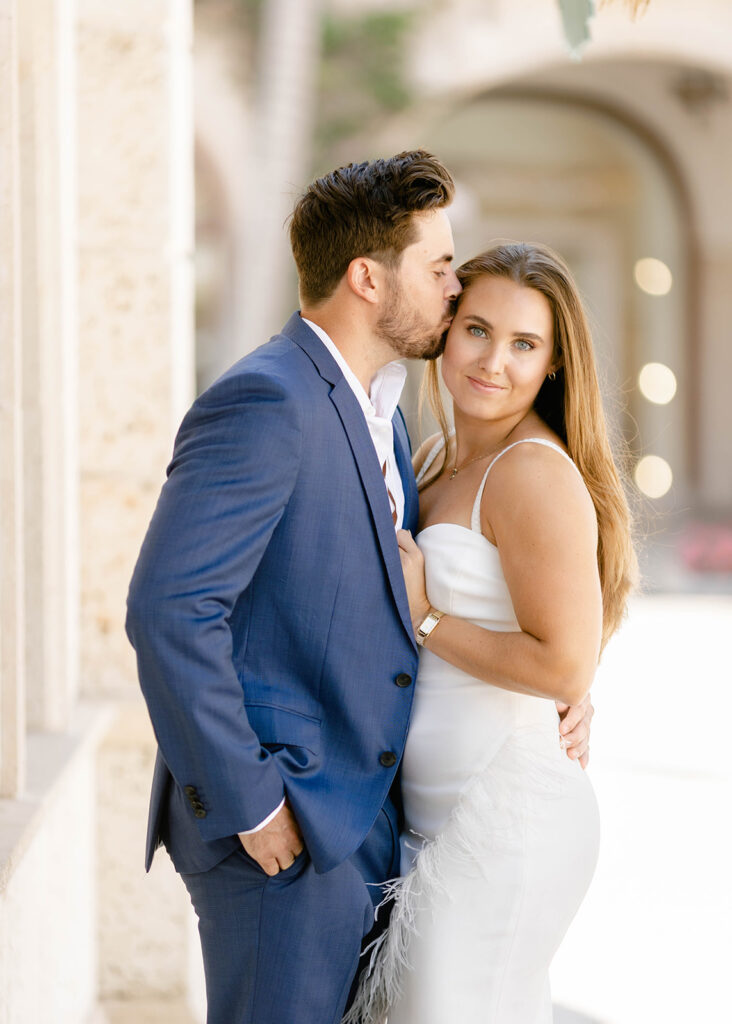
427 625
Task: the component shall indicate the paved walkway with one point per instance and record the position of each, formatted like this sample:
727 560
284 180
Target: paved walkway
653 942
143 1011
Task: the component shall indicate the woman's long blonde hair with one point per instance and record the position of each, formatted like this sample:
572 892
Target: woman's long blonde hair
570 405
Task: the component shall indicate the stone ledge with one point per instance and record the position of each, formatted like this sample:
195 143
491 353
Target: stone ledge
49 756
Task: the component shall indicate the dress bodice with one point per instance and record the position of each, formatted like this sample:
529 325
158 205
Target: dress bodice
463 568
464 576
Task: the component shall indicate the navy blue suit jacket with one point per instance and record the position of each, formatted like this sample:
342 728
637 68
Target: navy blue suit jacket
269 613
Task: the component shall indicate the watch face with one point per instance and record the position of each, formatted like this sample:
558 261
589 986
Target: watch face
428 625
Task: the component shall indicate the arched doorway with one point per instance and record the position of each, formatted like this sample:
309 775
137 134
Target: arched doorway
577 176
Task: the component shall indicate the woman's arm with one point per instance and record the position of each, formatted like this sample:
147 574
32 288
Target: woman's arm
538 509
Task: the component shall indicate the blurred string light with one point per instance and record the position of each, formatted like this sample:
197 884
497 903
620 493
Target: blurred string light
657 383
653 476
653 276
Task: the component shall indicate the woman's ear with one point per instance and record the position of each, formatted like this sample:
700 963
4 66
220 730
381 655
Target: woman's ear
557 363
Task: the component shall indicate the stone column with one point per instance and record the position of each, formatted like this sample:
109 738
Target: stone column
136 380
281 154
12 693
135 297
48 218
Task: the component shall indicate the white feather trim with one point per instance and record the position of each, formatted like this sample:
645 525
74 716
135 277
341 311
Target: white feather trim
489 815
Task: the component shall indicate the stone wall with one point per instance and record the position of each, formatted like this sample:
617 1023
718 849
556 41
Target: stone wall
135 299
96 212
12 605
135 195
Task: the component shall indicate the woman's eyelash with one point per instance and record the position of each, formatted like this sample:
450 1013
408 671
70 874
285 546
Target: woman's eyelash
480 332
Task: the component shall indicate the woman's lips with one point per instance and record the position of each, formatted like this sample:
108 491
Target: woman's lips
485 385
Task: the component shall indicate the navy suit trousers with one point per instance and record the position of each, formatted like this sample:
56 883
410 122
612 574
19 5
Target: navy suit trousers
285 949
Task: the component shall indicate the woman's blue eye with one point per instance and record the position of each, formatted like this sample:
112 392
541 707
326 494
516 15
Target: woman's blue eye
477 332
526 346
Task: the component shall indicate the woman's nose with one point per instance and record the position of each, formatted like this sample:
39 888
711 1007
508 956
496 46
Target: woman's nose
492 358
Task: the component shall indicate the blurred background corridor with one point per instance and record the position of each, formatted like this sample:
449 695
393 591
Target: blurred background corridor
150 153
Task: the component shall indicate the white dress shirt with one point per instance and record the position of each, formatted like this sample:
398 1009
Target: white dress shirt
378 409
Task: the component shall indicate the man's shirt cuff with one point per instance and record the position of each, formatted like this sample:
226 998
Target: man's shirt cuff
262 824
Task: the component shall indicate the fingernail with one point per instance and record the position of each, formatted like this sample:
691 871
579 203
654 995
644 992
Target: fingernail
562 743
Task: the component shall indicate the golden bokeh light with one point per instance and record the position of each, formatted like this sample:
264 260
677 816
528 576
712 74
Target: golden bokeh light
657 383
653 276
653 476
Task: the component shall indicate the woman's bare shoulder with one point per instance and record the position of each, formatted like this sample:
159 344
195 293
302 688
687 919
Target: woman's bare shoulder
543 478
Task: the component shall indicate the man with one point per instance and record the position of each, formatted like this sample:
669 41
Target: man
268 608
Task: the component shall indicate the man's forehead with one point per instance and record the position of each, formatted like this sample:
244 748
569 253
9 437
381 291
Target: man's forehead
434 239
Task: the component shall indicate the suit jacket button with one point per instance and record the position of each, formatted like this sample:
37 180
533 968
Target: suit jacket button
403 679
388 759
199 812
189 790
196 805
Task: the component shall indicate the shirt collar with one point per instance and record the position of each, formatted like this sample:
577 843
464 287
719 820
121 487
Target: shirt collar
387 383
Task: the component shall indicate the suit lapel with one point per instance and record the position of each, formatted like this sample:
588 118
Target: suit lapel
404 463
367 463
372 479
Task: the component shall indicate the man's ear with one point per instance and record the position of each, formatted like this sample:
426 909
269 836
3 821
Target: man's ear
365 278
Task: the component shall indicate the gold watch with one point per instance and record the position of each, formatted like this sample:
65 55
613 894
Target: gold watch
427 624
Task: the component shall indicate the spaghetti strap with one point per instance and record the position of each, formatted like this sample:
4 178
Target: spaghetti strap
431 456
475 516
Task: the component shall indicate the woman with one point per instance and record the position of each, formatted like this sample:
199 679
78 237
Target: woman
525 540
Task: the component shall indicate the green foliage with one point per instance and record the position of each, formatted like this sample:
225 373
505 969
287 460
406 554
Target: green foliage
362 73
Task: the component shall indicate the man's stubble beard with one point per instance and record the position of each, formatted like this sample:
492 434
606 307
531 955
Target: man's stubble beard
407 332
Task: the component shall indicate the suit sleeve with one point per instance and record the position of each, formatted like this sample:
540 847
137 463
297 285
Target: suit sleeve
234 467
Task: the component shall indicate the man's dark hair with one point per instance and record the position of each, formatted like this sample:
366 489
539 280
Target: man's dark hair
362 210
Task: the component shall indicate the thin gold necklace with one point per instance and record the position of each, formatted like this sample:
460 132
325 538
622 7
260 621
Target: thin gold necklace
456 469
476 458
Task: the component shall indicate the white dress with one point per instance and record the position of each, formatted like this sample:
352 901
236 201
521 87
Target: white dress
502 827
